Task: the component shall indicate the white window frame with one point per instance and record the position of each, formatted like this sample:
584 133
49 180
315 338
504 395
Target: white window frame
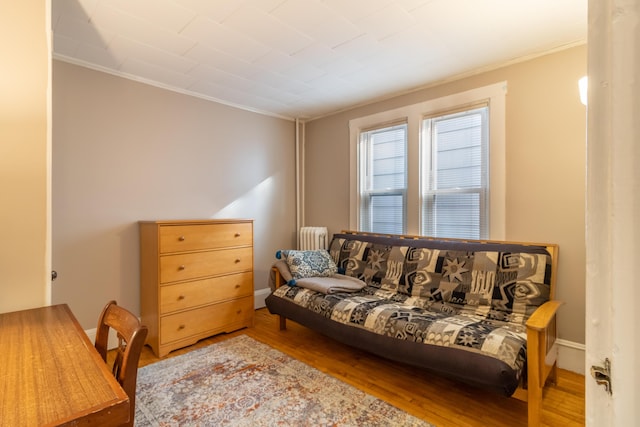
495 96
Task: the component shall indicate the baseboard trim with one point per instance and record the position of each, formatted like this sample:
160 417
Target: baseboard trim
259 296
113 337
571 356
91 333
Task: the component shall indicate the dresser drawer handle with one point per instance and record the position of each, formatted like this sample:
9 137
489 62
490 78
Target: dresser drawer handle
181 267
236 235
181 238
237 260
237 286
239 311
181 327
181 297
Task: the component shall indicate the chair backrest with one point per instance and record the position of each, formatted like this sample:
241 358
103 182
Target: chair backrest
131 337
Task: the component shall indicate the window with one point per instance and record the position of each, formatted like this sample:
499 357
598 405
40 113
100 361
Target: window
434 168
455 177
383 175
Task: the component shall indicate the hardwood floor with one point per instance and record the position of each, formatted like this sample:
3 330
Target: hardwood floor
438 400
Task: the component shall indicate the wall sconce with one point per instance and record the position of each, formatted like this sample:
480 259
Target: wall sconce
582 86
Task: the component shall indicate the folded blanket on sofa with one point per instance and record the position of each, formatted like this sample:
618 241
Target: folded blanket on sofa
332 284
325 285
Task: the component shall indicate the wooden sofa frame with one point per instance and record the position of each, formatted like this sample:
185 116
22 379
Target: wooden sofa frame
541 329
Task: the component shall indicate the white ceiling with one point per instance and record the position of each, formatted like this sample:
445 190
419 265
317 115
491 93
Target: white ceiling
307 58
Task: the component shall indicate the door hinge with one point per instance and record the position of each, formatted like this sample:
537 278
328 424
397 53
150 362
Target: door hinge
602 375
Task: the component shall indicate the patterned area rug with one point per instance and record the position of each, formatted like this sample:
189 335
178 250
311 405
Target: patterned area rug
242 382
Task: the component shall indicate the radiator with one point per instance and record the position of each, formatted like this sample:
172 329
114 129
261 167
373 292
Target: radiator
313 238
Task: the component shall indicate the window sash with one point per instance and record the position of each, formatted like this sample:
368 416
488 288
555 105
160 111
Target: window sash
383 183
455 175
449 213
383 212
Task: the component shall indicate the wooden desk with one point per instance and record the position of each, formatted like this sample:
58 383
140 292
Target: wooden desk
51 374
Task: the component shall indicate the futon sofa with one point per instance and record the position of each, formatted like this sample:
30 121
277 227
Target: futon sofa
481 312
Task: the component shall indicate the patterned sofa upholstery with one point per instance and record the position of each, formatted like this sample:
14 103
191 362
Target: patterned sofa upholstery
464 309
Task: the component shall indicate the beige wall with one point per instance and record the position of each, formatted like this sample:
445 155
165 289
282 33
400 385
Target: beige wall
24 148
125 151
545 156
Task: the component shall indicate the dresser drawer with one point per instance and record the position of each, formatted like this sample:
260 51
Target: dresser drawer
189 266
192 294
201 320
179 238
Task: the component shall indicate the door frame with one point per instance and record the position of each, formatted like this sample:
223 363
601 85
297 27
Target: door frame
613 185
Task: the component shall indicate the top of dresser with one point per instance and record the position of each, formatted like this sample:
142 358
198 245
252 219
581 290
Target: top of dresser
195 221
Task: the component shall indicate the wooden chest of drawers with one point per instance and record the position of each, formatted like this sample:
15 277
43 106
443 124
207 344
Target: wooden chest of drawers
196 280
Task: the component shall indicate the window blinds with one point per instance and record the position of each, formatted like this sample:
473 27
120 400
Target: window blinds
455 175
383 185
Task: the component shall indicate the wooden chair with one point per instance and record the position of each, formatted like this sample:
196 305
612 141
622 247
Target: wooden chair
131 336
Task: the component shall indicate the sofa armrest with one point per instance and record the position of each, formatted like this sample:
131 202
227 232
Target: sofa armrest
543 316
277 278
278 281
541 356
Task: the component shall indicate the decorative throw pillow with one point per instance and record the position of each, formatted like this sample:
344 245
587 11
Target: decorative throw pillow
303 264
